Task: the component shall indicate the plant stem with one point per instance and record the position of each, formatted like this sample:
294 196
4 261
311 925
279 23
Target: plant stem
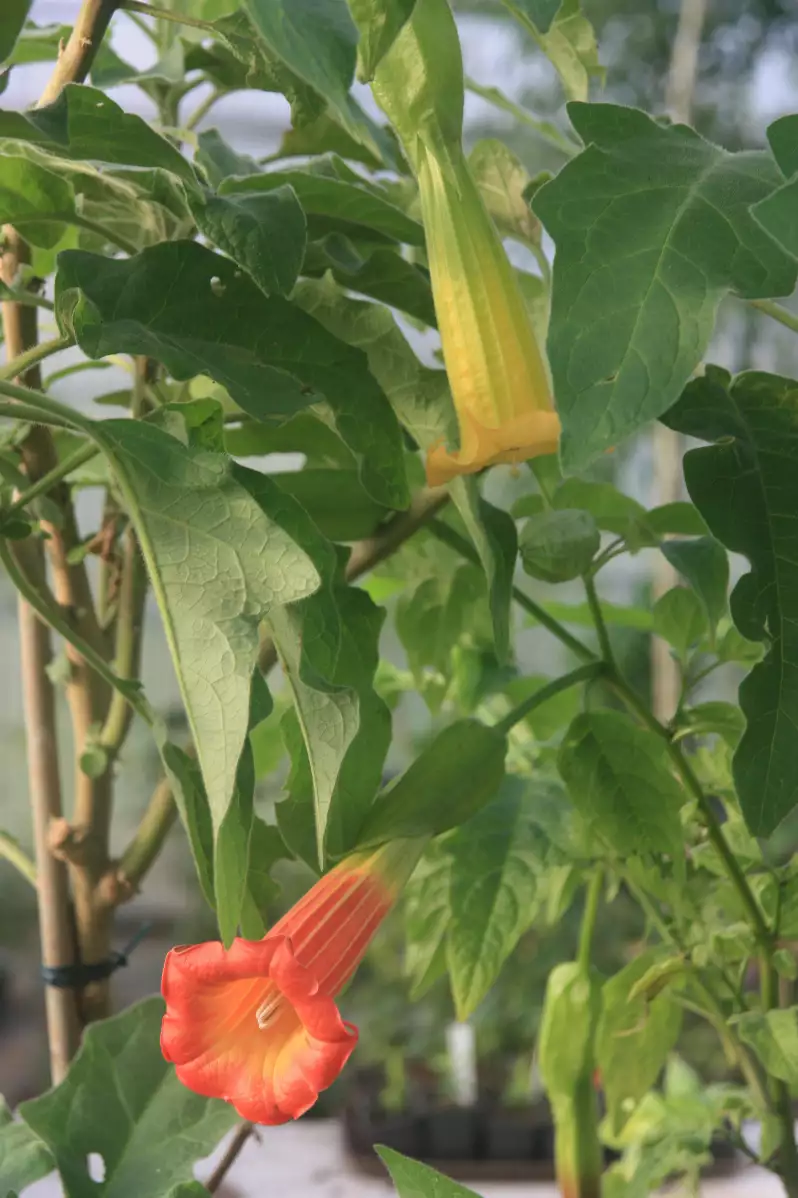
238 1141
75 59
444 532
54 476
127 649
586 673
598 619
588 927
31 415
777 312
203 108
33 398
15 367
15 855
148 839
165 14
17 295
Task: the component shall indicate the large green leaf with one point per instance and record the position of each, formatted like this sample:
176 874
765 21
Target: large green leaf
323 193
773 1035
12 19
24 1158
432 617
703 562
266 234
317 40
31 194
199 314
619 779
652 228
449 782
778 213
84 123
378 23
426 917
414 1180
634 1037
219 561
492 893
122 1100
336 501
746 488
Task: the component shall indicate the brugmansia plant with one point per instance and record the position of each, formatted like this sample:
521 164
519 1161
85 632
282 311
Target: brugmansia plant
273 305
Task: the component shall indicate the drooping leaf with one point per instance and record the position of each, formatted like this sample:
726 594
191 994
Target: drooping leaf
346 201
12 19
378 22
38 198
317 40
566 37
335 500
433 616
632 314
495 540
556 546
503 179
121 1099
493 887
197 313
414 1180
219 560
85 123
778 213
265 234
679 618
634 1037
746 487
383 274
619 779
703 562
448 783
218 159
24 1158
571 1010
266 846
328 646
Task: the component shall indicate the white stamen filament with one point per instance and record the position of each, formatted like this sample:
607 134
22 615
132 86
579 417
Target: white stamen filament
268 1009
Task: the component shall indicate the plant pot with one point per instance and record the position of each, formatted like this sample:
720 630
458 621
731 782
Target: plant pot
453 1134
511 1135
399 1130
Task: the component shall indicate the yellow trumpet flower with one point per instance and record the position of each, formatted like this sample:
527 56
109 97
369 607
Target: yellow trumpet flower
496 372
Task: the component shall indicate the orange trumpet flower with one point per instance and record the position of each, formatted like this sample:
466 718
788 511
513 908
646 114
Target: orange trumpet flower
256 1025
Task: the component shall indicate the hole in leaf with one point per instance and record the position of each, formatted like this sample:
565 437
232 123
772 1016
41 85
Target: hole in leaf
217 286
96 1166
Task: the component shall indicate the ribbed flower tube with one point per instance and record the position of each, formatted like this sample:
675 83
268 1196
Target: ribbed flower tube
496 372
257 1025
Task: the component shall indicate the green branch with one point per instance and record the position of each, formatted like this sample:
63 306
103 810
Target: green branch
592 900
23 362
52 478
15 855
777 312
586 673
165 14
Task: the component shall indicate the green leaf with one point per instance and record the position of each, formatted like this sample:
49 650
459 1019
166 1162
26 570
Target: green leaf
346 202
192 803
427 919
449 782
704 564
503 179
773 1035
611 510
492 893
121 1099
632 315
746 488
378 23
679 518
431 618
568 40
266 234
634 1037
23 1156
32 195
329 647
12 19
383 274
619 779
540 12
197 313
556 713
414 1180
317 40
335 500
219 561
680 618
84 123
266 846
556 546
571 1009
496 542
716 716
218 159
778 213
